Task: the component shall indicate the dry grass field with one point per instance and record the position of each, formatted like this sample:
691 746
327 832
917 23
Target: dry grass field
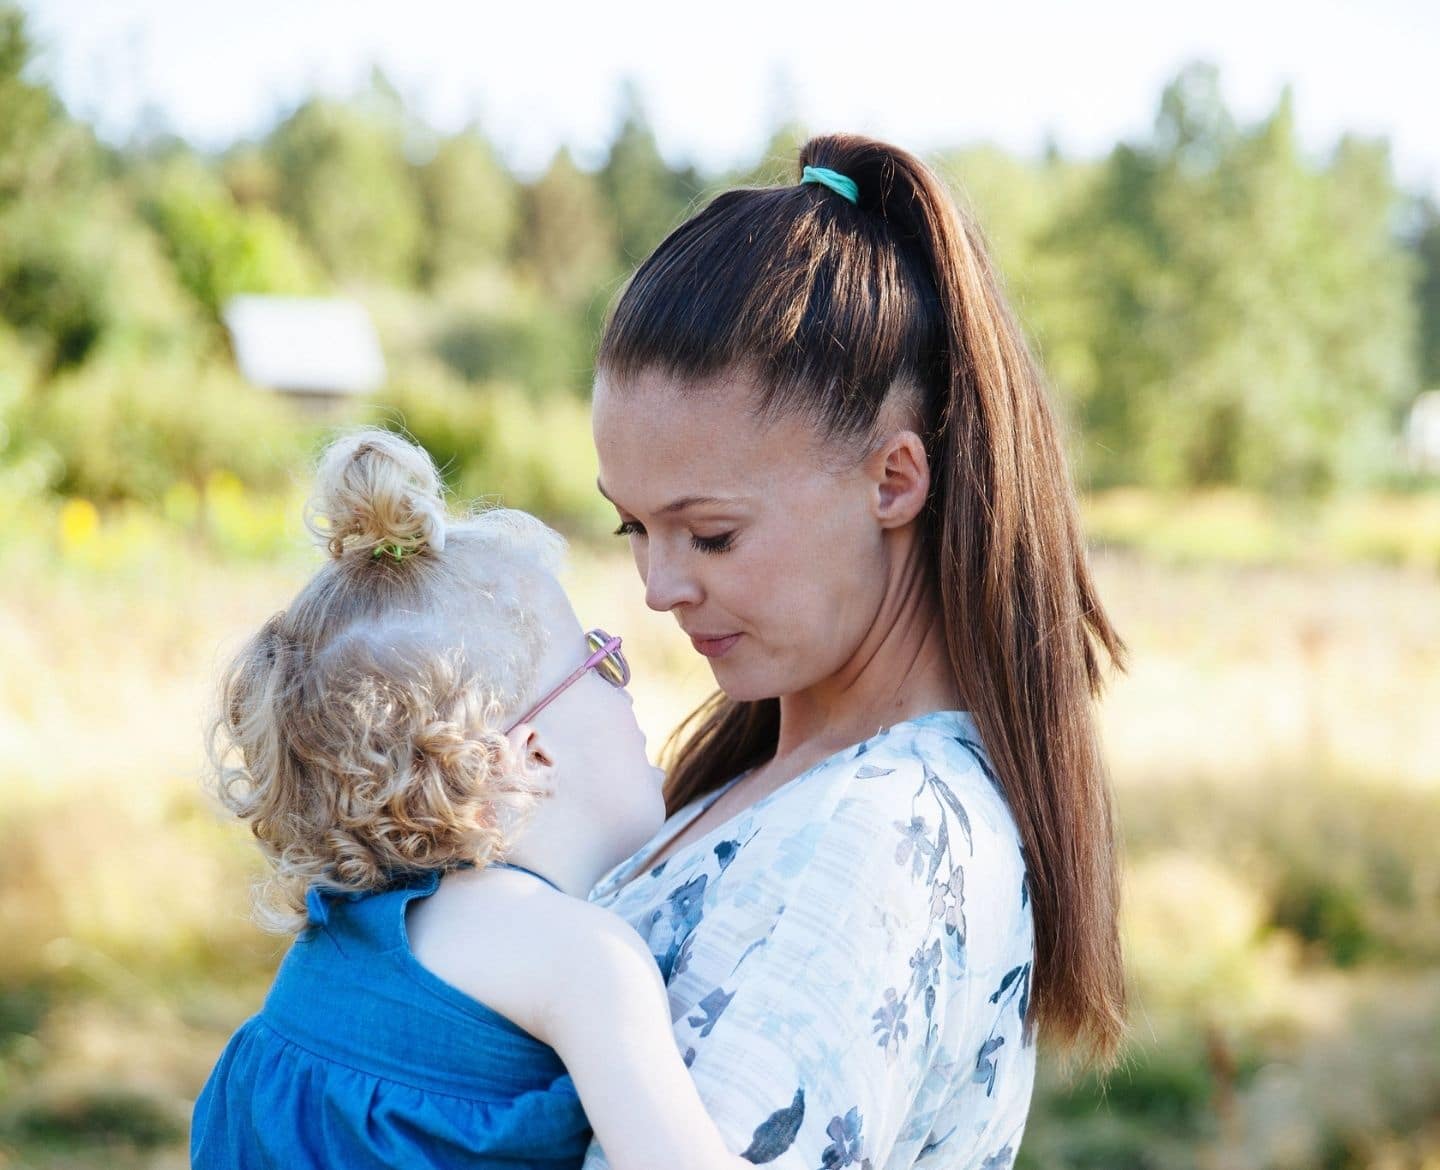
1276 757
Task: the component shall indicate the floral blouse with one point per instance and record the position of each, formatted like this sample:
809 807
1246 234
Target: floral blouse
849 960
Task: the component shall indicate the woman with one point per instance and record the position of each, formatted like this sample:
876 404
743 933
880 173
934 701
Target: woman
889 855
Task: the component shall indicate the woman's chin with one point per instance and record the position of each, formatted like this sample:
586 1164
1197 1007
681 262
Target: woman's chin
740 689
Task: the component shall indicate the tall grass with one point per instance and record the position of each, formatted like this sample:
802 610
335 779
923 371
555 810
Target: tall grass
1276 785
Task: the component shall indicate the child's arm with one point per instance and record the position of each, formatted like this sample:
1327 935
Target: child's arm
611 1027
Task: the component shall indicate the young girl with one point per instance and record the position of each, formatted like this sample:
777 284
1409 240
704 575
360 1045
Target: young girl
439 763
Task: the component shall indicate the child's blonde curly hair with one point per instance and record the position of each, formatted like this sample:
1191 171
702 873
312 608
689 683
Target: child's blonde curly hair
360 731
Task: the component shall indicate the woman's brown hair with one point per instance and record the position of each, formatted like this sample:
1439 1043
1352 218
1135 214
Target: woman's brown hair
831 304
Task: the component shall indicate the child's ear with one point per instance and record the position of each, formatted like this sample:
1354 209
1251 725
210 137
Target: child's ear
535 762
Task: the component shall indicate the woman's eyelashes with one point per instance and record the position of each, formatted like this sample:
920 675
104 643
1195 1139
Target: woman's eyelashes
712 544
705 544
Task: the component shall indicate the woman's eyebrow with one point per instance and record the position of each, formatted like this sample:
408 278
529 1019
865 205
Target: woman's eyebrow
675 505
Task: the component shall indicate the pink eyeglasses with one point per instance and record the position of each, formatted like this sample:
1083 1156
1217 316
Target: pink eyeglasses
605 659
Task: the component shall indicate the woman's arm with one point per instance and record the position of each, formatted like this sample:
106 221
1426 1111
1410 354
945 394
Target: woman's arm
871 1013
610 1024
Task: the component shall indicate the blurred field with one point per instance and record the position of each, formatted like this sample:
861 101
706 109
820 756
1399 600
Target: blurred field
1236 328
1277 782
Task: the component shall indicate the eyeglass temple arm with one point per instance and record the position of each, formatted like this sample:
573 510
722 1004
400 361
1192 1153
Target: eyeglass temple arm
596 657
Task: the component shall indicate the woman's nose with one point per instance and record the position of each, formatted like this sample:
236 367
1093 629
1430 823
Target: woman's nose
667 584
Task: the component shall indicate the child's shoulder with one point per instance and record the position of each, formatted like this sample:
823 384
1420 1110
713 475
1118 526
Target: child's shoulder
590 945
529 952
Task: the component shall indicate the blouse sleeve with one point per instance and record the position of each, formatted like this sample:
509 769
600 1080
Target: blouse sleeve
878 1021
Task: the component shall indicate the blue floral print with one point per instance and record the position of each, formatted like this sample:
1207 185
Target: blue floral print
891 1025
710 1008
844 1148
776 1133
675 920
859 944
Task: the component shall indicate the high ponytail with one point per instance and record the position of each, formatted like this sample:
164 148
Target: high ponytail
832 305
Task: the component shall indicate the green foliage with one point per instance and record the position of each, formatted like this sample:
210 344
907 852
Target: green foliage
472 206
1426 248
53 281
568 244
1229 526
1325 912
1253 320
27 469
495 445
30 114
1347 869
81 274
1215 308
219 248
127 430
647 197
101 1114
345 181
53 289
526 341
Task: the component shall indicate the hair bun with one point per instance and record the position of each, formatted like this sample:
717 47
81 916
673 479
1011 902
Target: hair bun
374 489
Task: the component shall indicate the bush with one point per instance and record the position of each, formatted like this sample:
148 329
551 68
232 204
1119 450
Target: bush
53 289
1350 869
495 444
100 1114
543 350
27 468
130 430
219 248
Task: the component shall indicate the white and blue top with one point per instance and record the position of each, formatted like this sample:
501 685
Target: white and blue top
849 960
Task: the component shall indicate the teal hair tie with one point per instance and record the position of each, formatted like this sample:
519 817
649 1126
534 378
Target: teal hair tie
832 179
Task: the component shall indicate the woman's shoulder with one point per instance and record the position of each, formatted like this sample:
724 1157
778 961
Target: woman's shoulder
922 798
941 750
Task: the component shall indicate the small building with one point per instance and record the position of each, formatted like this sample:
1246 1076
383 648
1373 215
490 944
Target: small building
1422 432
319 351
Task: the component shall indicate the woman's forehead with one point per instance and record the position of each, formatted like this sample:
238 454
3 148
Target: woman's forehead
681 402
693 439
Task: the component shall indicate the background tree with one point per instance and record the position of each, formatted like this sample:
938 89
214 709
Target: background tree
646 197
472 206
1252 318
345 181
568 245
219 248
1426 249
53 286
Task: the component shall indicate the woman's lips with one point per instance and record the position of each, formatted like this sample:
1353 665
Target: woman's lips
713 647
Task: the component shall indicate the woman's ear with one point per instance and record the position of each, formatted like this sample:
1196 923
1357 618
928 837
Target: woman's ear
900 470
535 762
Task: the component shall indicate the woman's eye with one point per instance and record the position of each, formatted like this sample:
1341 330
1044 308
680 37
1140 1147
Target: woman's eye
629 528
713 544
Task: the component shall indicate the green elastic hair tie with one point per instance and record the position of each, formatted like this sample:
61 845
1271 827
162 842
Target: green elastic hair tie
832 179
395 550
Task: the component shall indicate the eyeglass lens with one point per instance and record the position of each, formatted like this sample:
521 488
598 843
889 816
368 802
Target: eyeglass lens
613 668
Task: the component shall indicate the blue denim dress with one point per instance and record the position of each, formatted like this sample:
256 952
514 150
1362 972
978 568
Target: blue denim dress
361 1058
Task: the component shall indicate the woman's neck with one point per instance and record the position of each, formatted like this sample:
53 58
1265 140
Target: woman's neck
900 670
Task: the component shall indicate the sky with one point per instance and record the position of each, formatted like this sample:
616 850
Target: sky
716 78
